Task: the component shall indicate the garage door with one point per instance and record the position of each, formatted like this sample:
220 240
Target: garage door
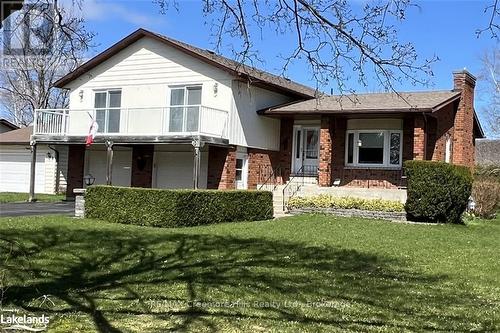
122 162
15 171
175 170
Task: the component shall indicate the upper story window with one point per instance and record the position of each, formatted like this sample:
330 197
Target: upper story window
373 148
107 110
185 103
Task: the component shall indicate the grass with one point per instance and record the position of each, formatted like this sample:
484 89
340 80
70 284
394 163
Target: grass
20 197
299 274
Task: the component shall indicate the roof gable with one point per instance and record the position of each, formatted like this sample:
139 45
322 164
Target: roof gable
253 75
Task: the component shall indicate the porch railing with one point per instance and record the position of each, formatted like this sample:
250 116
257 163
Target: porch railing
269 177
143 121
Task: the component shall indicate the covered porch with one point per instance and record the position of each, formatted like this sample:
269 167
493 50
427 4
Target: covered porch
181 162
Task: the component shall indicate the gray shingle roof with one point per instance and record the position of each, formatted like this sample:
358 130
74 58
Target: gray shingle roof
370 103
18 136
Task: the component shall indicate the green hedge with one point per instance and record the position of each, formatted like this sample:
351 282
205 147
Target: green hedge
437 191
328 201
174 208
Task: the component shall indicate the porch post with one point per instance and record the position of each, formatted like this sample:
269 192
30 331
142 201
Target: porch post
31 197
197 144
419 138
109 162
325 151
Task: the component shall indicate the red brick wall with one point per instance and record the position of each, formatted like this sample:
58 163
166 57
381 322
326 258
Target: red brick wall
221 168
440 129
76 164
325 151
463 139
261 163
419 138
142 165
371 178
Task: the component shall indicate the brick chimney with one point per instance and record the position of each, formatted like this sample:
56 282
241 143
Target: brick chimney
463 137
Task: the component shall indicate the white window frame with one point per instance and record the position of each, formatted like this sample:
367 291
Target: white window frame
184 117
387 149
106 109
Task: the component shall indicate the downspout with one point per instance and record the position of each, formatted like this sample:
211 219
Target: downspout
56 154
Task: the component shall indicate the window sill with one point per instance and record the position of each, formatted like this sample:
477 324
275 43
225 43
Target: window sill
358 167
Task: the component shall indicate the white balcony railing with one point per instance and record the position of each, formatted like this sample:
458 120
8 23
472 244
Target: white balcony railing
178 120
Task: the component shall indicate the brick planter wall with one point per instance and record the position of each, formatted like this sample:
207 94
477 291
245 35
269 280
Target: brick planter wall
370 214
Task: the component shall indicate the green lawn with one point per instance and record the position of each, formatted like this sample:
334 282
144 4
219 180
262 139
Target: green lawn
297 274
20 197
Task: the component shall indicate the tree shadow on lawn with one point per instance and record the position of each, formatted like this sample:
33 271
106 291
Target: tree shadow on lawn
110 275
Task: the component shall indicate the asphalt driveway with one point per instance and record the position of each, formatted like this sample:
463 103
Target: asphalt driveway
36 208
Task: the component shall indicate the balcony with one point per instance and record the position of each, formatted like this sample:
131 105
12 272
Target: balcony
178 121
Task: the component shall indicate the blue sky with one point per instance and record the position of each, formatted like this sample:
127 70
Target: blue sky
443 28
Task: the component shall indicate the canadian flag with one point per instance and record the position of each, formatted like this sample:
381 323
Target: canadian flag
92 132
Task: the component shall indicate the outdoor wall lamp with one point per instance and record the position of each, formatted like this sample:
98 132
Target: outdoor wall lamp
80 93
89 179
216 88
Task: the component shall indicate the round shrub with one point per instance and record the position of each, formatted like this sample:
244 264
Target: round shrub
437 191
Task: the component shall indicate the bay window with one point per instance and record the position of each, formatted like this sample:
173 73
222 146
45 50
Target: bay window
373 148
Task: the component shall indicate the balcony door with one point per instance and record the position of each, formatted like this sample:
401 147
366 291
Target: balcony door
305 150
107 110
185 103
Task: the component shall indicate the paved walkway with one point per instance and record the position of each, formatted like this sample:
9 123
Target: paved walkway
36 208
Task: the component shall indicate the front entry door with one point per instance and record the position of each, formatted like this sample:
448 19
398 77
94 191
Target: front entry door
306 150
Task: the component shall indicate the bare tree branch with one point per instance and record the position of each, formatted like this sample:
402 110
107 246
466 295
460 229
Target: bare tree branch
489 89
56 47
493 26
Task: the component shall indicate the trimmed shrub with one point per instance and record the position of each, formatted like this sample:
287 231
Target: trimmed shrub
328 201
175 208
486 195
437 191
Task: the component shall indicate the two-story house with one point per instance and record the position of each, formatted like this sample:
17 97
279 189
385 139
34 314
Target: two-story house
171 115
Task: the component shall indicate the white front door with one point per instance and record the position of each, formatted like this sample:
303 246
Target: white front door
241 171
306 150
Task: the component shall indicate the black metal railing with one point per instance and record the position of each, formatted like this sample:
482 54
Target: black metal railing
293 187
269 176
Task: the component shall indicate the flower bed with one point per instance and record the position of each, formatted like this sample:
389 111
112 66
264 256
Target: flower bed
348 207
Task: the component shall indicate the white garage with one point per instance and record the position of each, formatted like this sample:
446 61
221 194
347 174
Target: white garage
95 165
15 164
174 169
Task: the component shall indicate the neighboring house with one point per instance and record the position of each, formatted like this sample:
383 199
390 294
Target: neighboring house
15 163
6 126
488 152
172 115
